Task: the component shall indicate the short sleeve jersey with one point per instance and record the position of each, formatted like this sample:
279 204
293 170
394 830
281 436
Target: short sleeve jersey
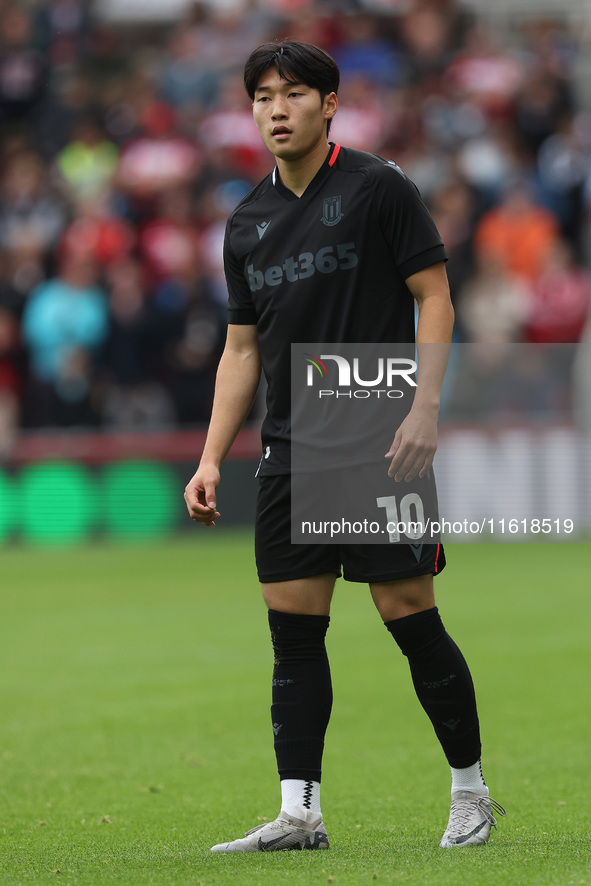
329 266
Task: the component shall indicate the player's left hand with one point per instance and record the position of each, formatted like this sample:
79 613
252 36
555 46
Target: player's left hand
414 446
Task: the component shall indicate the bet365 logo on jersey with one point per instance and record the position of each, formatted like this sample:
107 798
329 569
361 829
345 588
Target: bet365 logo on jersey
326 261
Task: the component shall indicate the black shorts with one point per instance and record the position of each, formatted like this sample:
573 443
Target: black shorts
279 559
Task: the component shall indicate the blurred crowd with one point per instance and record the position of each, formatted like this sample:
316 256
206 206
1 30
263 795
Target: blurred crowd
124 148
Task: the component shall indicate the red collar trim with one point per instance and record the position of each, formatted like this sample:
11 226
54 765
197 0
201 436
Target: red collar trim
334 155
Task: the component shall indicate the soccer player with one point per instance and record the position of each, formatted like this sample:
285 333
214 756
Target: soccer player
361 210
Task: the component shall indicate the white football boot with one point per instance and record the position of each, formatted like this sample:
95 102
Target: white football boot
470 819
283 833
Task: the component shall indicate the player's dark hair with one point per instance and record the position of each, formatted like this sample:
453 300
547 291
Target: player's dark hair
295 62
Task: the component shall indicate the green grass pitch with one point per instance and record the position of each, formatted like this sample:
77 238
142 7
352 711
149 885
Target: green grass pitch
135 729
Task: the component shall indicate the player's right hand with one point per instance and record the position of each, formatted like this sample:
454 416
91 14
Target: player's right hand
200 495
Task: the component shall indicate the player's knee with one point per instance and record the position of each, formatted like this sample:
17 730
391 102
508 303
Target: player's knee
397 599
309 596
298 638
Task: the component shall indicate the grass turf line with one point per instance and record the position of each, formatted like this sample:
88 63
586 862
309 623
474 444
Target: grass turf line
135 730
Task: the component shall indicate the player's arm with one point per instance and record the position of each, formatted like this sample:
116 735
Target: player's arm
237 380
415 443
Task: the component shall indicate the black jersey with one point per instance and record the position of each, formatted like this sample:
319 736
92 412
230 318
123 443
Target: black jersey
329 266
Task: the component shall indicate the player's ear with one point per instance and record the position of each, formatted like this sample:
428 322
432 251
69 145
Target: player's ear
330 105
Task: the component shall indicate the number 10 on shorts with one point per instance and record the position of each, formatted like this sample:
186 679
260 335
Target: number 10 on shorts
406 518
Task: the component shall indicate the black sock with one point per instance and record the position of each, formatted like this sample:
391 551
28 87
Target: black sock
442 682
302 693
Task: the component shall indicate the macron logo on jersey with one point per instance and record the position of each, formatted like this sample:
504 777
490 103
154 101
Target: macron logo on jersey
262 229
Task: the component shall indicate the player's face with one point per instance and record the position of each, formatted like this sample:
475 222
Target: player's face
290 116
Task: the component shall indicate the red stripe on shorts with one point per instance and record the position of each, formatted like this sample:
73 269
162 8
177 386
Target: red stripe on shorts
437 557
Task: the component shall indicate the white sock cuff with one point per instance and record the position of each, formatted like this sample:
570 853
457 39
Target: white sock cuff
299 795
469 779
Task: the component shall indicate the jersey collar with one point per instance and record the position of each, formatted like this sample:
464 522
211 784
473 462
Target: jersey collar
320 175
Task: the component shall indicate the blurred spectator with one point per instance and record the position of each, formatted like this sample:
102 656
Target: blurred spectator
187 333
124 354
187 76
88 162
73 96
230 131
169 240
552 45
11 299
519 231
363 51
582 379
490 162
427 32
561 298
539 105
216 204
23 269
485 74
563 162
310 22
192 351
31 214
158 159
492 304
96 231
23 69
453 207
130 395
62 28
362 118
64 323
10 382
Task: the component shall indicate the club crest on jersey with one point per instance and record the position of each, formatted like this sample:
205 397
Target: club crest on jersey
331 211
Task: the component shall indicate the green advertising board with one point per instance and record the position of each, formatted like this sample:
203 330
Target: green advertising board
59 502
65 502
